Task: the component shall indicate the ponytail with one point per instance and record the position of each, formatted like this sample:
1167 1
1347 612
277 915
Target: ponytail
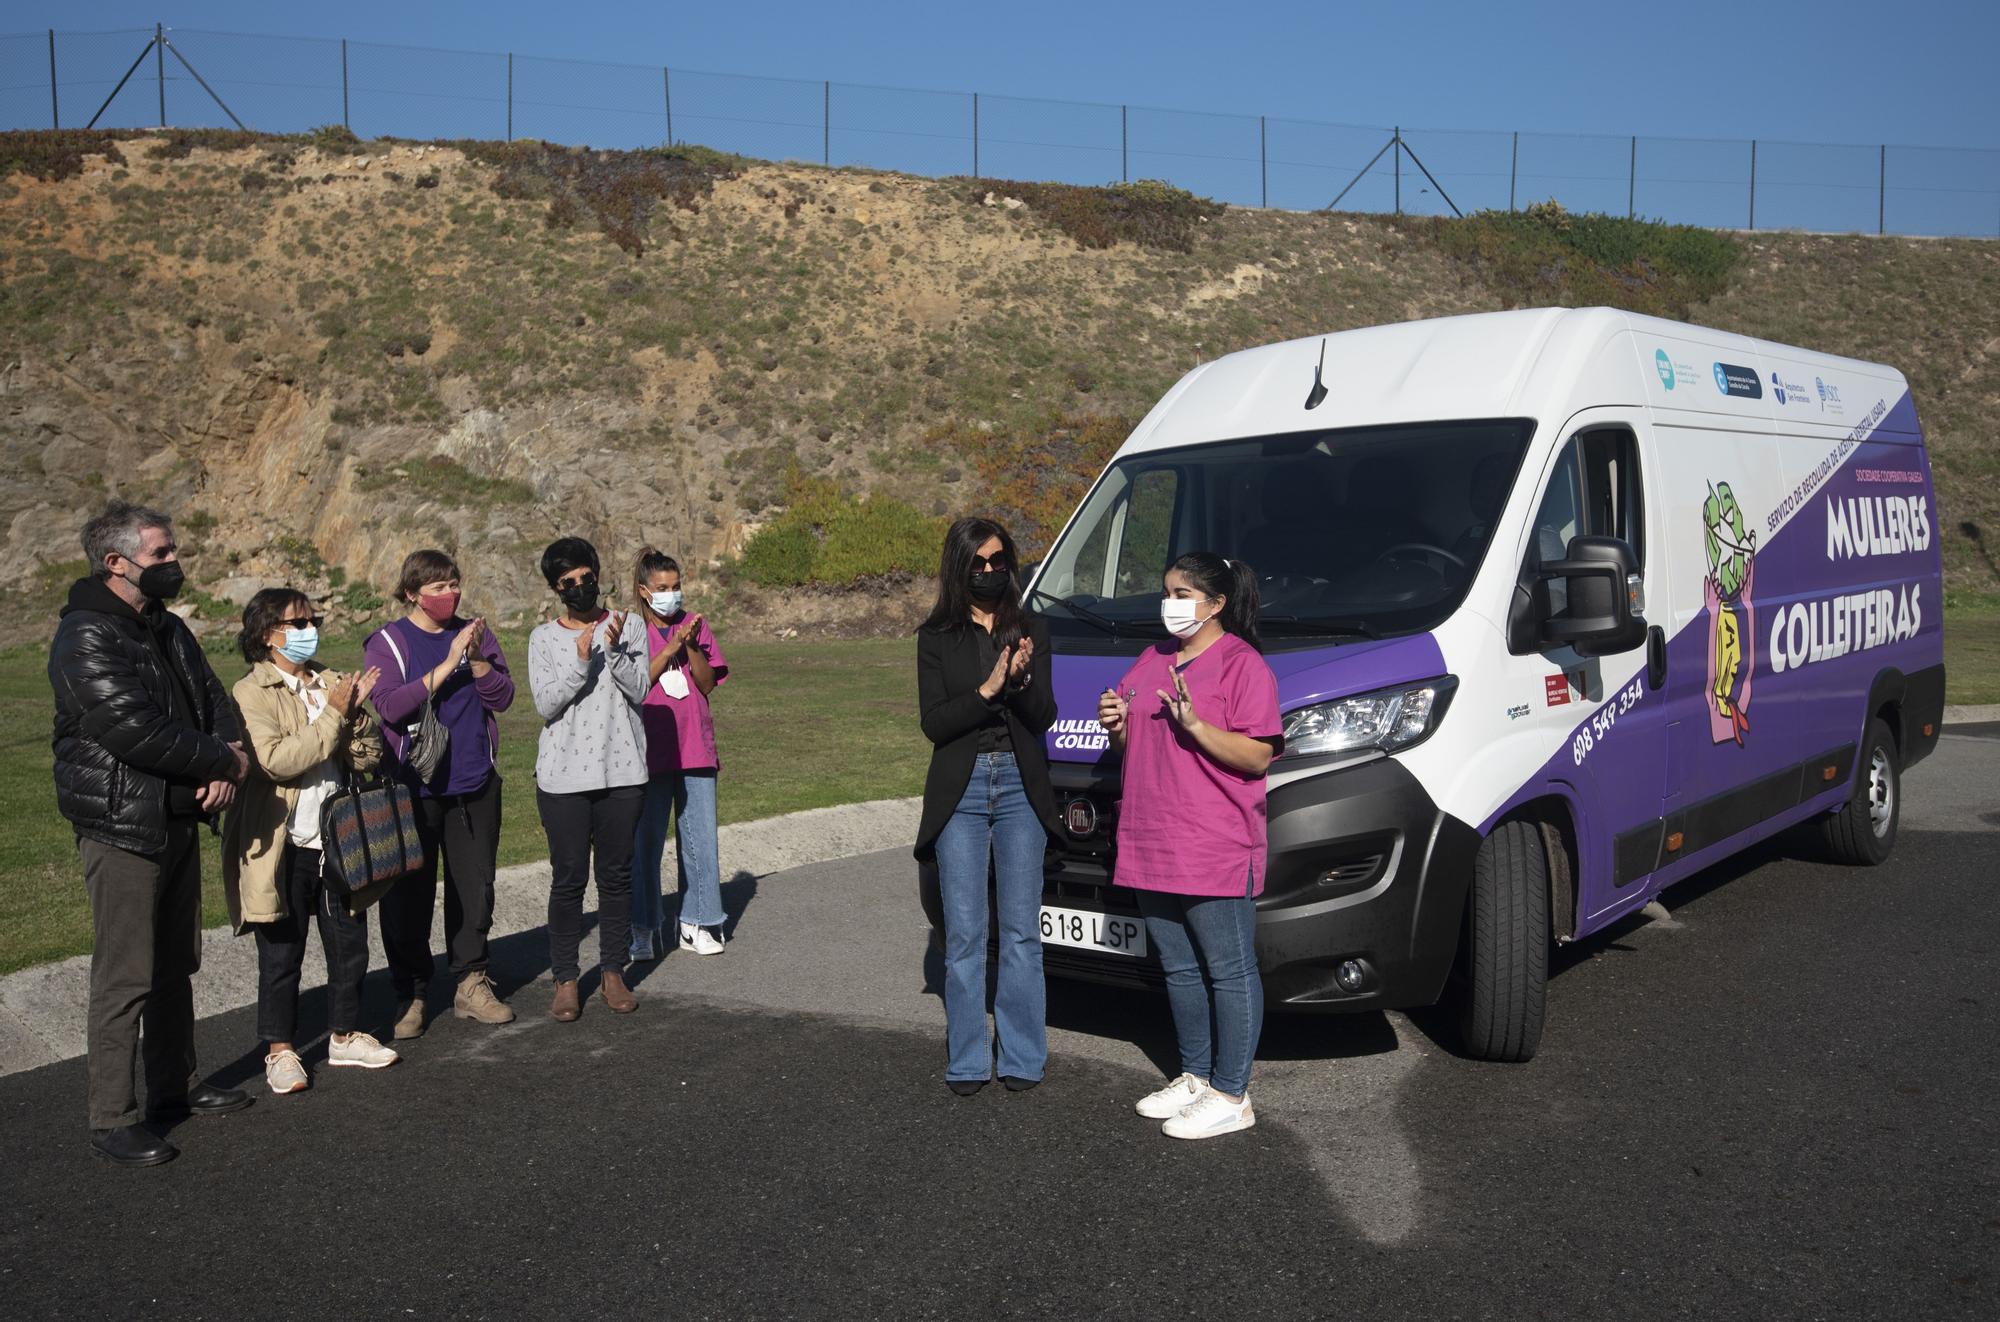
1234 581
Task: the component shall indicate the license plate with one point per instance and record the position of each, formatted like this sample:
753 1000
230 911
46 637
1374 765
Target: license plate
1105 932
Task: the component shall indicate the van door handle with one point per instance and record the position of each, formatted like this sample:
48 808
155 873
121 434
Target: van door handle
1656 657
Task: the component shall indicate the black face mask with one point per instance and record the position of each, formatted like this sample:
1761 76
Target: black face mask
989 584
161 582
580 597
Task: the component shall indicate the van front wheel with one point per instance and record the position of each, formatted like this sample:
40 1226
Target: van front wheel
1506 960
1862 831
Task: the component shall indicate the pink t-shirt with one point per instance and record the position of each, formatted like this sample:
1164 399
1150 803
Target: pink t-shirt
680 735
1186 823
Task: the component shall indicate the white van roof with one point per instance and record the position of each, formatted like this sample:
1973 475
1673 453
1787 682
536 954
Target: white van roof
1543 363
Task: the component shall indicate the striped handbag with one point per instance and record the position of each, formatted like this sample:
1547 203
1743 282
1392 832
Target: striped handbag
369 840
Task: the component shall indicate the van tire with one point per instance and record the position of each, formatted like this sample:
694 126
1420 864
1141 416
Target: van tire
1862 831
1507 938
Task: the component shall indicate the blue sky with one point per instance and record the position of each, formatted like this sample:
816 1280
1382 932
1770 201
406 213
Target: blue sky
1918 72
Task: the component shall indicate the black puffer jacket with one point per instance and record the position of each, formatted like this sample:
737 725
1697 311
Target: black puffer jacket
134 739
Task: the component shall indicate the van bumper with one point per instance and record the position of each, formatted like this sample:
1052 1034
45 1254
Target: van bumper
1364 867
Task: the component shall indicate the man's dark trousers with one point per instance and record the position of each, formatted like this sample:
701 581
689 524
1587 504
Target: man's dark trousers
146 914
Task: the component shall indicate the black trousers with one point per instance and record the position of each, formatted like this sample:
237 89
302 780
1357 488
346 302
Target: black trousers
281 950
578 825
464 831
146 923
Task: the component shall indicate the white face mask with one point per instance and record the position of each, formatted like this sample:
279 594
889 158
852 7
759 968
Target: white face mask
1178 614
666 603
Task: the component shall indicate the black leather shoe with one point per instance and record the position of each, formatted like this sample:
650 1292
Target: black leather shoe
132 1145
965 1087
203 1099
1015 1083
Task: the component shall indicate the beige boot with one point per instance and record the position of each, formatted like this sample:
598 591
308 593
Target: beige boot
410 1022
475 1000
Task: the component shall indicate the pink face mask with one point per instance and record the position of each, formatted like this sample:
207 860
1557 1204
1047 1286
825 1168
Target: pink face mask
441 607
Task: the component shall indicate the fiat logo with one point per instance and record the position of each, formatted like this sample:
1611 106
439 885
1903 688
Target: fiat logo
1080 817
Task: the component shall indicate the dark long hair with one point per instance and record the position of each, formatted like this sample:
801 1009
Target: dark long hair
1232 580
954 599
261 614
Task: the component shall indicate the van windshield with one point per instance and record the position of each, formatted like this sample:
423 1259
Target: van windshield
1367 532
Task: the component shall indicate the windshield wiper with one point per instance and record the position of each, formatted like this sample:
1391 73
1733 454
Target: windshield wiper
1302 627
1115 628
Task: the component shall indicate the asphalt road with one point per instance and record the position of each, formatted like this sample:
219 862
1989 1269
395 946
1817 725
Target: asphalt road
1774 1099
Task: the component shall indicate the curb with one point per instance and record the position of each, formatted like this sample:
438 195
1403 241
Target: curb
43 1010
1970 715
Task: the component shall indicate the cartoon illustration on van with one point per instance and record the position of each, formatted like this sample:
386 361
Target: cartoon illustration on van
1732 553
1564 606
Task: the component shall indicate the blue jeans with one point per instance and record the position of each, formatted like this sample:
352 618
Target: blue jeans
1217 1019
686 800
993 819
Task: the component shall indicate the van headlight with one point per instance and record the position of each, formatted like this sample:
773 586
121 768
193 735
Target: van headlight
1386 719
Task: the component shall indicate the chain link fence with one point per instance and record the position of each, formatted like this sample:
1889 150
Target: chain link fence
191 78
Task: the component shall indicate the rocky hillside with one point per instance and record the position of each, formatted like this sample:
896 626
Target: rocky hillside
322 352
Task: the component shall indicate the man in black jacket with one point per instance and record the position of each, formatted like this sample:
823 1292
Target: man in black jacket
148 745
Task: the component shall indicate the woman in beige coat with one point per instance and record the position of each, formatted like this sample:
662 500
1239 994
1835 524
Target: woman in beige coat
302 724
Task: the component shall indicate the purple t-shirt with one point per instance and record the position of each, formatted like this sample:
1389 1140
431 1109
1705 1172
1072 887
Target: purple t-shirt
680 735
1186 823
466 706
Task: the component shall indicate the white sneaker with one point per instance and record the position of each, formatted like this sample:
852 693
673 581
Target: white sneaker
642 946
1213 1115
699 940
285 1072
360 1051
1170 1099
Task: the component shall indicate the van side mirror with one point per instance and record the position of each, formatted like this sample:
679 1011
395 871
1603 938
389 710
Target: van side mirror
1603 600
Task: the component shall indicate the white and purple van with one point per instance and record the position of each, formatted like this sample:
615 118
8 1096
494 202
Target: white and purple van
1564 606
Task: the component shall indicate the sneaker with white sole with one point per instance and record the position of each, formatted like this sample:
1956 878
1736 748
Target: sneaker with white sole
699 940
285 1072
1211 1116
359 1051
1182 1091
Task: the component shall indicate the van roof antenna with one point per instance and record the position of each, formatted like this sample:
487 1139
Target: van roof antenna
1317 395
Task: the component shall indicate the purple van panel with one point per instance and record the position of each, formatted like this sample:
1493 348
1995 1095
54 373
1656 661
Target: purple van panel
1318 674
1819 608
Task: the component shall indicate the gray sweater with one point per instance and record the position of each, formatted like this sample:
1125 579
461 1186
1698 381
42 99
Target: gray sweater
592 737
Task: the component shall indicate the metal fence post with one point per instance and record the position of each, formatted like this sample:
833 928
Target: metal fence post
1398 141
510 96
55 112
667 93
160 67
1882 194
345 122
826 123
1124 144
1632 179
975 135
1513 169
1263 166
1753 183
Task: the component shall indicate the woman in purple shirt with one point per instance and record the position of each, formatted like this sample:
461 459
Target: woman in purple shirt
432 655
686 665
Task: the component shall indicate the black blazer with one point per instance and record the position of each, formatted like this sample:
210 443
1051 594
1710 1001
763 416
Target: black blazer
949 673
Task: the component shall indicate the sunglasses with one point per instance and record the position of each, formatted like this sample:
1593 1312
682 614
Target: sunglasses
994 562
588 578
310 622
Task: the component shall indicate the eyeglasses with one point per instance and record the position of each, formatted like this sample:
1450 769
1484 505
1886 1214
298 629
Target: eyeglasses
567 582
999 562
311 622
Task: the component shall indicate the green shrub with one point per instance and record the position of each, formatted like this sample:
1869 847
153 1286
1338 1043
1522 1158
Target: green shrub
1148 213
780 554
51 154
833 539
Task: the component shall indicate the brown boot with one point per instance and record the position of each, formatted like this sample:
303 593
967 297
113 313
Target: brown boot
566 1005
475 1000
616 994
410 1019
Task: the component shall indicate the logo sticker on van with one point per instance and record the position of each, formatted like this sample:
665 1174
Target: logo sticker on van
1665 366
1732 567
1740 382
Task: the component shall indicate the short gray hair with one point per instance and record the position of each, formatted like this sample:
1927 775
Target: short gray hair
120 528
